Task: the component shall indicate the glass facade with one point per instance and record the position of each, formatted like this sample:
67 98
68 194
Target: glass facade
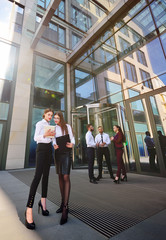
48 92
91 66
125 67
8 62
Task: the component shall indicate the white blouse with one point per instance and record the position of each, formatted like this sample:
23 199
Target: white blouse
39 132
58 133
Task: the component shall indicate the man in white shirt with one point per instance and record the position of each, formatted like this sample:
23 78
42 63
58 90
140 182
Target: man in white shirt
91 145
102 141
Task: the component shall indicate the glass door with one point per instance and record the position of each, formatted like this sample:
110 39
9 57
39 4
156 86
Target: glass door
98 115
79 123
2 138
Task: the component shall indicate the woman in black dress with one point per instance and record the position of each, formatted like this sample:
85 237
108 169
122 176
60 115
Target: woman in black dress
63 160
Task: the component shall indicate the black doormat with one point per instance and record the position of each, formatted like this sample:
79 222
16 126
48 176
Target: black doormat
107 207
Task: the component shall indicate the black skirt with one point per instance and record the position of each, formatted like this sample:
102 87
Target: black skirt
63 162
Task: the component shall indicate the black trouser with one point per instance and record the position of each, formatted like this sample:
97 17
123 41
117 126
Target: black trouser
91 158
104 151
43 162
152 154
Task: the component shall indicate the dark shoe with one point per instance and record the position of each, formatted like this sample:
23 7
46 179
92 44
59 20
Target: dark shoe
116 181
59 210
93 181
98 178
44 212
64 215
124 178
28 225
112 176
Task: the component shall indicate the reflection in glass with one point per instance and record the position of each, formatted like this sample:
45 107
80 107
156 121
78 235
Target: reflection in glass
4 111
10 13
85 88
5 90
7 60
158 9
113 88
156 54
49 75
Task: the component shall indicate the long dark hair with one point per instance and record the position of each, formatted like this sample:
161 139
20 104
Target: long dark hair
120 130
62 123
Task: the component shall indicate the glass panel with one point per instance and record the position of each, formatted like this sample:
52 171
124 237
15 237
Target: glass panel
49 75
79 127
158 9
163 40
155 53
148 159
4 108
60 12
54 34
45 98
1 128
75 39
112 88
85 89
10 15
7 61
158 104
130 72
107 119
5 90
80 19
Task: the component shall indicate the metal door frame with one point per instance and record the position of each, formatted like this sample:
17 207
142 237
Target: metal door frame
2 160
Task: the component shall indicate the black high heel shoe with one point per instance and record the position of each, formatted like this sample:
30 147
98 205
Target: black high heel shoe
28 225
64 215
124 178
44 212
59 210
116 181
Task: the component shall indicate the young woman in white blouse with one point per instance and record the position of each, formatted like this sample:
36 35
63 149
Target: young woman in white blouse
63 161
43 162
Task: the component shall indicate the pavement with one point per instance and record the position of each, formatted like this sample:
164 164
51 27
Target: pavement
13 197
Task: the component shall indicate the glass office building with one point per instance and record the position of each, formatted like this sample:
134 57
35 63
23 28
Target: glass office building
99 62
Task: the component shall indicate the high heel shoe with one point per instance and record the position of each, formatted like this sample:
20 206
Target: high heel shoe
59 210
28 225
116 181
44 212
64 215
124 178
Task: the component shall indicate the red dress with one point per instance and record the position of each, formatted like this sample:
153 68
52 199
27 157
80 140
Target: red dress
118 142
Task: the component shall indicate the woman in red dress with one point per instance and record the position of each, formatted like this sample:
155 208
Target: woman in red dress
118 140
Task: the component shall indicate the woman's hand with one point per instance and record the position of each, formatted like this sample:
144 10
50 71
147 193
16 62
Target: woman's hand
69 145
56 146
49 132
112 138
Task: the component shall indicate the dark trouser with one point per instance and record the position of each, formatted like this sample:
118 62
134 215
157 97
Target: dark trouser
152 154
91 158
43 162
104 151
120 163
164 154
